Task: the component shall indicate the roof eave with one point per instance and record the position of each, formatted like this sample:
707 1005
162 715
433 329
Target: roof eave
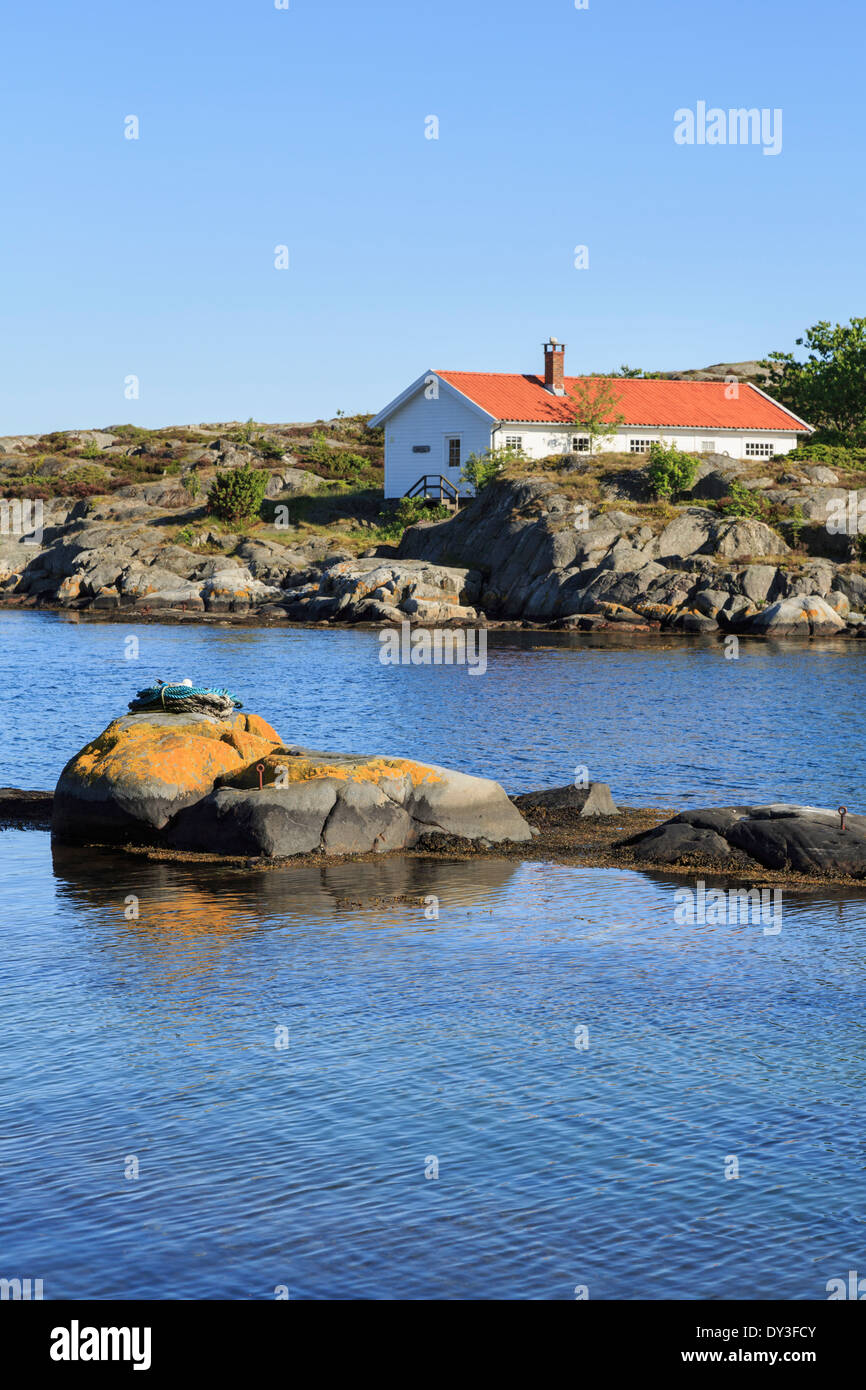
779 406
410 391
645 425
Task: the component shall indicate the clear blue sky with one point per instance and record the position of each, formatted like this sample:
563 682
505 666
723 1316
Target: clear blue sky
305 127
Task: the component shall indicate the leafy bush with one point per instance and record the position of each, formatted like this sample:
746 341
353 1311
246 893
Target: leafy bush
22 488
88 473
237 495
743 501
408 511
669 471
80 489
340 461
91 451
480 470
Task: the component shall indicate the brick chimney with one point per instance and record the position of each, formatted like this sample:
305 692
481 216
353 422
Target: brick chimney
554 367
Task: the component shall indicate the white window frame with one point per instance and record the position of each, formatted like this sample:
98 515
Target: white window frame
759 448
708 446
580 443
640 446
449 440
514 441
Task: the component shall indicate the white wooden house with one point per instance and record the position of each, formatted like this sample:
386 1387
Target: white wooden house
436 423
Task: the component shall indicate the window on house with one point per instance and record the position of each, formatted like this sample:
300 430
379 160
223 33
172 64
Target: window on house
514 441
639 446
453 453
708 446
580 444
759 449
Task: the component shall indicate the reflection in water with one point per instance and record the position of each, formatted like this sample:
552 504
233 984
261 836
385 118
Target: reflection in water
183 898
407 1037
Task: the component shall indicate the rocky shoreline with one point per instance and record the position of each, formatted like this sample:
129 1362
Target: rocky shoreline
526 552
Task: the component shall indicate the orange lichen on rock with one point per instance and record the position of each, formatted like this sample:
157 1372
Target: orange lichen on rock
142 769
281 767
254 724
187 758
250 746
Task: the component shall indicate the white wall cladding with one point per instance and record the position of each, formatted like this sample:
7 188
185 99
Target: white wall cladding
540 440
420 421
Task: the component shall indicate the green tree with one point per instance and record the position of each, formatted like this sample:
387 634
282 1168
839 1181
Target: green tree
594 404
828 389
237 495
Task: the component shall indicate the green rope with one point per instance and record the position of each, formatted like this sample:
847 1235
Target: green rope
180 699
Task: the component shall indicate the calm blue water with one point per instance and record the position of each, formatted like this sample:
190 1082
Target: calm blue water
452 1039
668 723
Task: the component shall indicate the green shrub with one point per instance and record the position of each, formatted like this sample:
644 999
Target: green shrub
237 495
91 451
480 470
269 448
55 443
795 524
669 471
833 455
319 450
88 475
408 511
744 501
348 465
135 433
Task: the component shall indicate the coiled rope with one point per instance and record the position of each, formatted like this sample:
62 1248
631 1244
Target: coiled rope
184 698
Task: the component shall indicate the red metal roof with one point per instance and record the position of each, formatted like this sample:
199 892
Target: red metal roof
699 405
